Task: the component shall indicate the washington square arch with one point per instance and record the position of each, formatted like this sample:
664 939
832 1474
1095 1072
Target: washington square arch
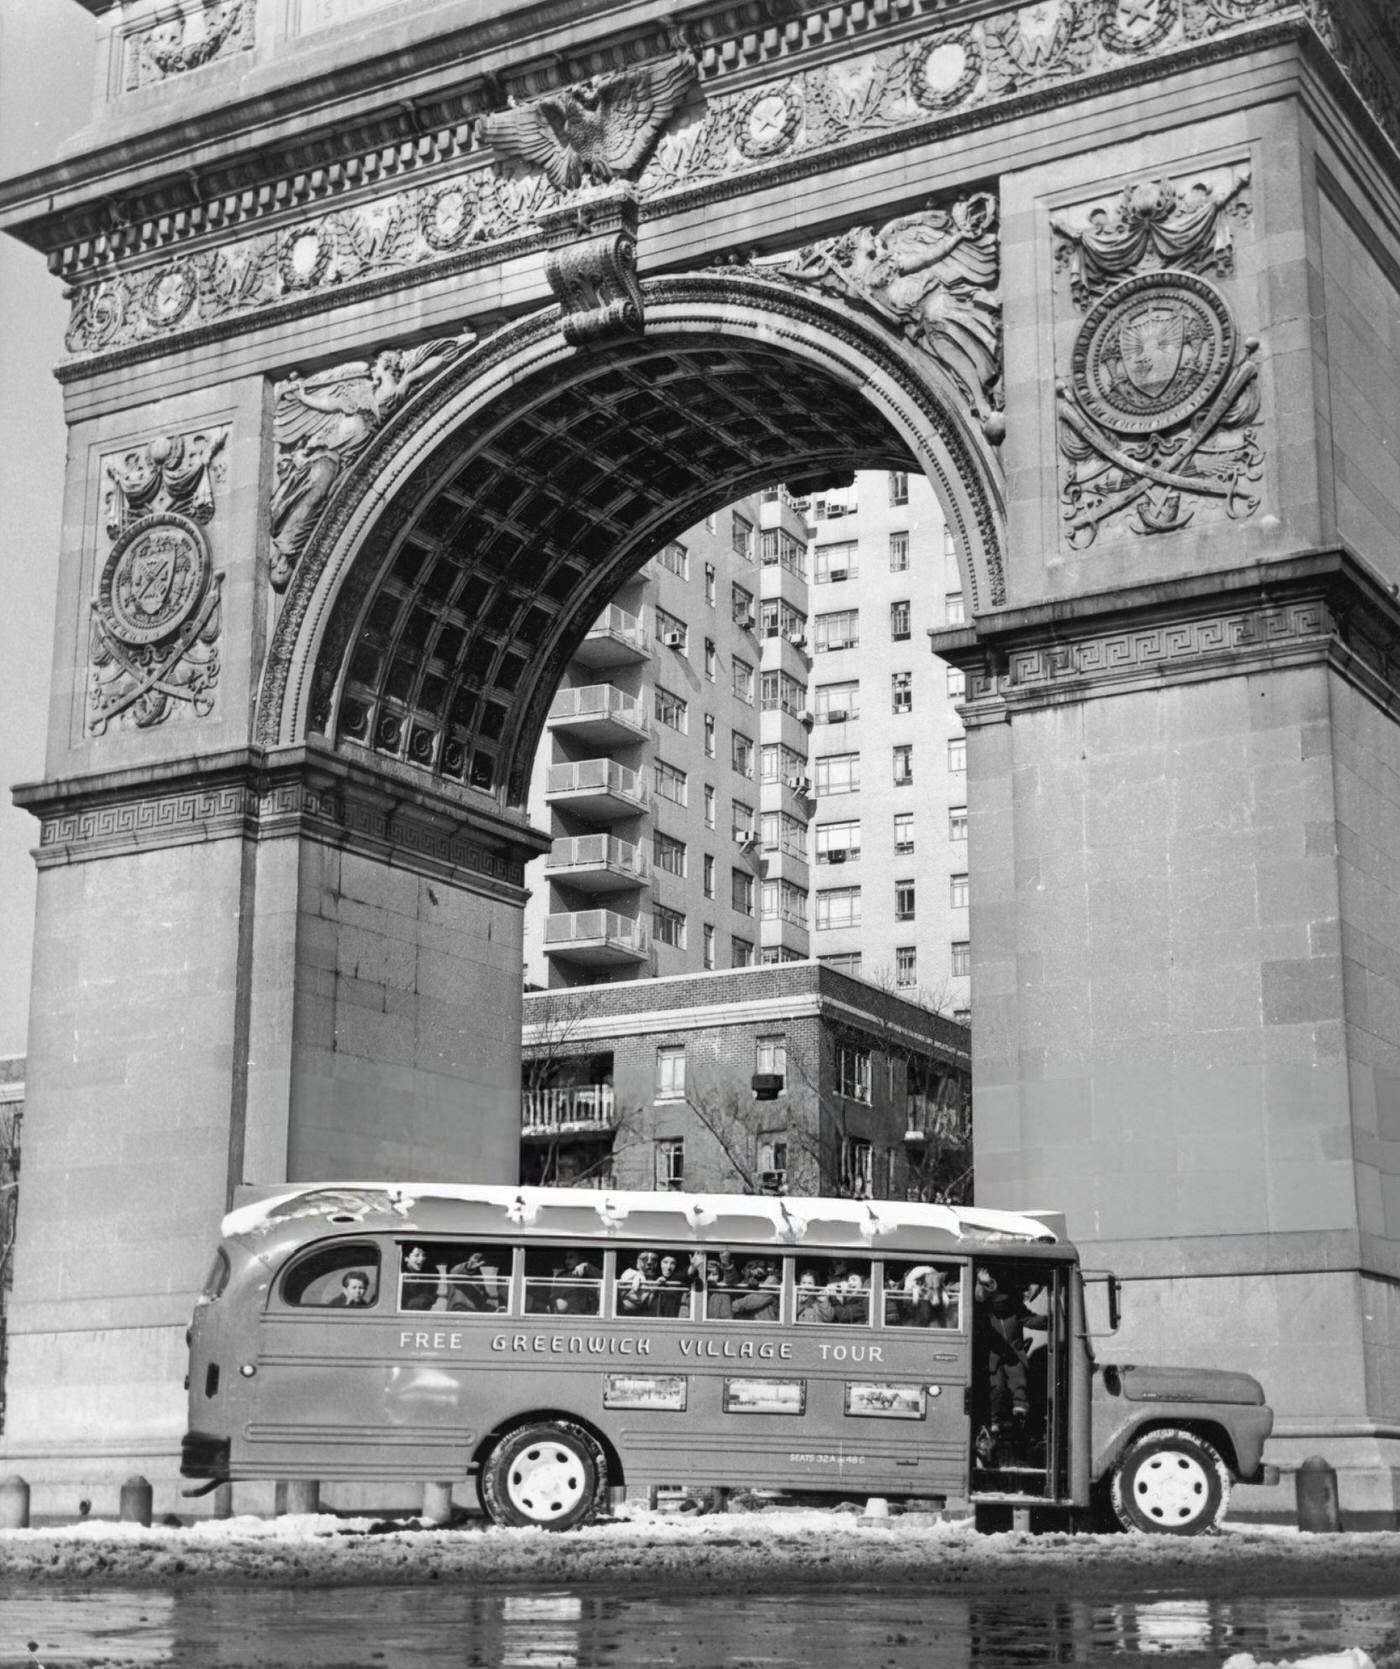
402 334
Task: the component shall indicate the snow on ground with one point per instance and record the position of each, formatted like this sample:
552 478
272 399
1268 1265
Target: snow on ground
767 1548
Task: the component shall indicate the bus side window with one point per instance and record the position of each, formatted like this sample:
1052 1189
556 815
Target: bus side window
338 1277
478 1277
920 1294
656 1281
562 1280
742 1286
834 1290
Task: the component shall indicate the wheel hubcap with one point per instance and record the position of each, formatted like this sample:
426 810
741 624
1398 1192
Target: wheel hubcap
546 1481
1171 1488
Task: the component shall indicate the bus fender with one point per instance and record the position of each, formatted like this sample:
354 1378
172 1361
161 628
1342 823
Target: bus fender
611 1459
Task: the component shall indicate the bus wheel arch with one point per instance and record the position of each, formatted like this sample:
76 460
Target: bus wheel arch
1171 1480
547 1469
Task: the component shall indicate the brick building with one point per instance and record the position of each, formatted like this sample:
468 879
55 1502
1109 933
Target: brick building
791 1077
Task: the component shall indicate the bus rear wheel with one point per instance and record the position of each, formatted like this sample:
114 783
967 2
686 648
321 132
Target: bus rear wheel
551 1476
1171 1482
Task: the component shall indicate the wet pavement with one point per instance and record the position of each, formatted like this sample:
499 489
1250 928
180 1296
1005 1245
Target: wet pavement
834 1627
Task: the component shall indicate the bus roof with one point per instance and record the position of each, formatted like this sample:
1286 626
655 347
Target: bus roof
441 1208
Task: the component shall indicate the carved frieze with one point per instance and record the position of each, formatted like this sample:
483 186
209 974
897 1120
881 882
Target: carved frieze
791 119
1157 412
156 616
935 276
322 423
185 39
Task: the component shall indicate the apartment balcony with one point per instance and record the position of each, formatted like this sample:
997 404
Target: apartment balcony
597 863
792 936
616 638
599 715
595 938
567 1109
599 789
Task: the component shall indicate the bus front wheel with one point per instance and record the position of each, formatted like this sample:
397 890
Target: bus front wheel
1170 1482
550 1475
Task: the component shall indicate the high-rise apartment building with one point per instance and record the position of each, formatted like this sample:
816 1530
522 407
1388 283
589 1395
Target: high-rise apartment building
754 758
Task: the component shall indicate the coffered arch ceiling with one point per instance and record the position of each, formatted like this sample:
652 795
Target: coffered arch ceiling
446 630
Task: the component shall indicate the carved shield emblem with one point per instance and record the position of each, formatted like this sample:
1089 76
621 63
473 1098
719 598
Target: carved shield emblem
1150 342
154 579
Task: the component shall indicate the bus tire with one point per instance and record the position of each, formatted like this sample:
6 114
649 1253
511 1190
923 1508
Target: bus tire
551 1476
1170 1482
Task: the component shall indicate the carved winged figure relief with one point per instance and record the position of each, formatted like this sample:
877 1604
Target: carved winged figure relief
597 131
322 423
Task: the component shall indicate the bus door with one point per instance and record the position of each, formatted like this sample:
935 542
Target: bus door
1018 1397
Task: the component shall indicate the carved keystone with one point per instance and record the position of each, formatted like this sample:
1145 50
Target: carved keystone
591 265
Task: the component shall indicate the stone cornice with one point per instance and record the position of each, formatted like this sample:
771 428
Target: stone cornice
297 792
1323 606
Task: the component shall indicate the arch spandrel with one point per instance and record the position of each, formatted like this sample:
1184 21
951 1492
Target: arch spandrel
432 613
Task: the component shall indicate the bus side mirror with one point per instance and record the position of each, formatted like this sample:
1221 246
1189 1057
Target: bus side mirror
1115 1294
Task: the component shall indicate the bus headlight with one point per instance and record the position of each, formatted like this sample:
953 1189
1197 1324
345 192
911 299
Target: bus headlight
248 1370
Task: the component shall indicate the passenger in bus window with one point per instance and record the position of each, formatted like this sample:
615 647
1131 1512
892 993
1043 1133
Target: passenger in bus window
637 1287
575 1285
809 1296
758 1298
919 1300
467 1285
672 1289
845 1300
420 1291
354 1290
720 1288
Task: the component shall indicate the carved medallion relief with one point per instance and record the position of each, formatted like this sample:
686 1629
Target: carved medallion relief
1158 397
156 616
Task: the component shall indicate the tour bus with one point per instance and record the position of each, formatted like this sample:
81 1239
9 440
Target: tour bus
556 1344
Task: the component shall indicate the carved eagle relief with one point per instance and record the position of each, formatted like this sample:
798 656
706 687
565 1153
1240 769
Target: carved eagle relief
597 131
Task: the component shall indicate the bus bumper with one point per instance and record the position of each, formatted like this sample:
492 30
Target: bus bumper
204 1457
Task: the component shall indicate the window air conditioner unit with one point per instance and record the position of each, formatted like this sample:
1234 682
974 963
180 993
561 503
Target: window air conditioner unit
804 716
767 1086
772 1182
837 574
837 715
797 640
839 856
673 640
795 783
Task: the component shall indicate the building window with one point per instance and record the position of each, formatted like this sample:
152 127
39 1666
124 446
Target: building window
741 953
670 1072
672 631
901 692
741 824
741 607
671 710
780 693
899 487
770 1055
904 764
838 842
838 907
741 890
957 683
670 1163
668 926
741 754
957 753
783 901
899 552
838 773
853 1073
957 822
837 631
838 702
904 831
711 659
780 763
668 854
741 537
709 805
670 783
957 892
742 681
708 871
773 1164
835 564
899 620
963 1016
673 556
710 583
906 965
708 954
844 961
954 612
960 958
709 735
904 901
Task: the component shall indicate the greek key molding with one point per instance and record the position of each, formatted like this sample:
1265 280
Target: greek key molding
468 211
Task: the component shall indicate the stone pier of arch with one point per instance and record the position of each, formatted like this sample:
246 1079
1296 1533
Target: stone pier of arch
377 389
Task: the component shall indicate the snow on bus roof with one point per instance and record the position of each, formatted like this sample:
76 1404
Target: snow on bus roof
788 1217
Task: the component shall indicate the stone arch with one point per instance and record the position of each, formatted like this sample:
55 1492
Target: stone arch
432 614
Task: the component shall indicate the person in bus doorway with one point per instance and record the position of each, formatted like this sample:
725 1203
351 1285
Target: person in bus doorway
354 1290
637 1287
758 1301
420 1291
1000 1322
